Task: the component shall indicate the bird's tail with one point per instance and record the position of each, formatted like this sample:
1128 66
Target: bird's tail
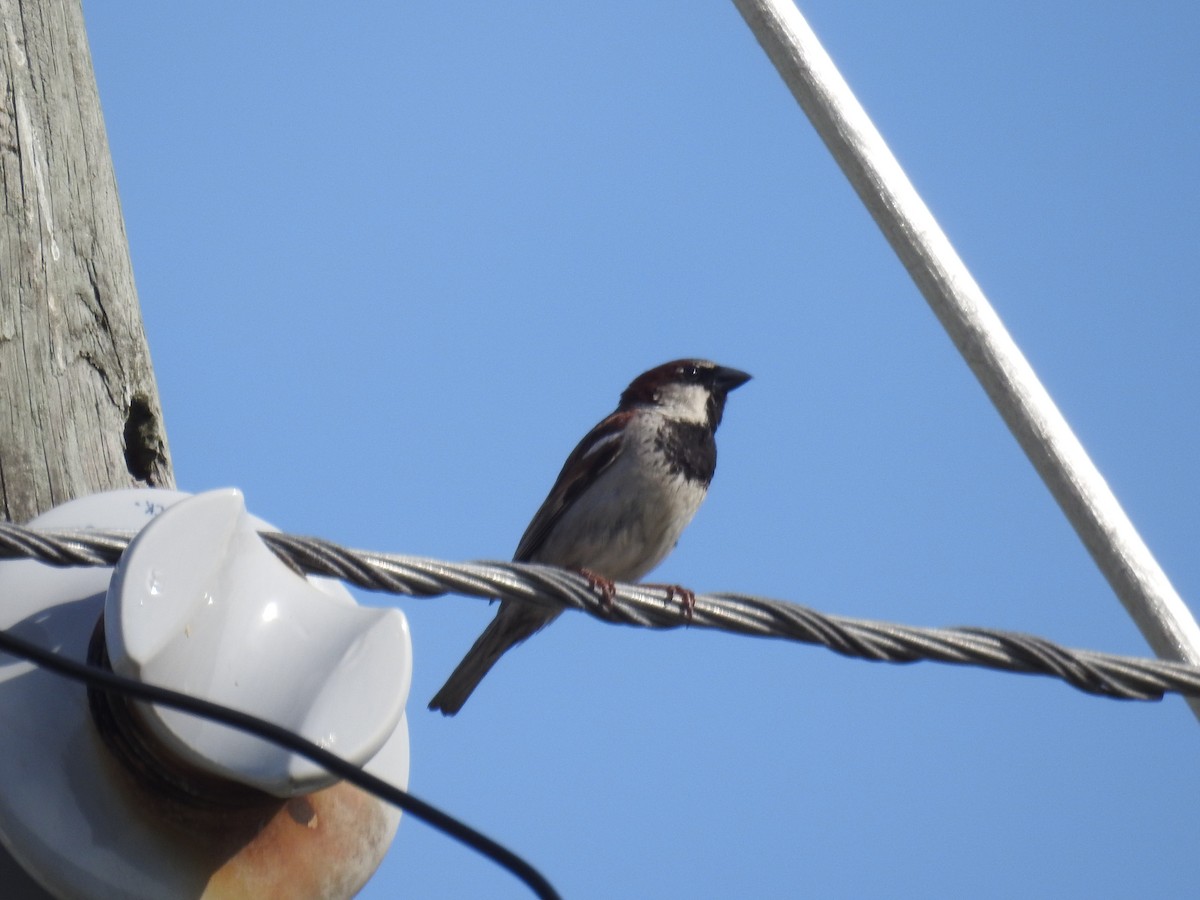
513 623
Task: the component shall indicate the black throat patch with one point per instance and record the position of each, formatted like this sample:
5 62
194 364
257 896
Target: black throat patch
689 450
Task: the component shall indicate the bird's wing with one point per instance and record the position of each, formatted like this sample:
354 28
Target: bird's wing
596 452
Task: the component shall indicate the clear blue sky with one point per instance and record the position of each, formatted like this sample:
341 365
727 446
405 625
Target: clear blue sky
394 259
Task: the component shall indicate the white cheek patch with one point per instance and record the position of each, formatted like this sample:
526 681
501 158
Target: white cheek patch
685 402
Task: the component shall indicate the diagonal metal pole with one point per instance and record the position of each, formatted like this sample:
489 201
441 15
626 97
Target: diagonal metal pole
976 330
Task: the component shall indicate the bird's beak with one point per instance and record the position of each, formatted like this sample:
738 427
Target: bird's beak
726 379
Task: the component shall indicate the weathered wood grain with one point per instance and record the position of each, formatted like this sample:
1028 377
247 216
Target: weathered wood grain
79 409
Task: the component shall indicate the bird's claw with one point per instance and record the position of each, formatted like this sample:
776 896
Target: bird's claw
603 586
687 598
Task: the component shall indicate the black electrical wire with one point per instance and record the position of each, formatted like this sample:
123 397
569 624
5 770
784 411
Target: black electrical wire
1101 674
105 680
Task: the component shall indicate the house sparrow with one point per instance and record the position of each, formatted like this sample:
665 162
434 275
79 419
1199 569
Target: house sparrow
622 499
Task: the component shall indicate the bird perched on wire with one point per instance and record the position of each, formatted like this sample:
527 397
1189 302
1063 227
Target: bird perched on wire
620 503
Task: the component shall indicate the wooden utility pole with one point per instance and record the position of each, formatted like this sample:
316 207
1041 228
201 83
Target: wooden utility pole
79 410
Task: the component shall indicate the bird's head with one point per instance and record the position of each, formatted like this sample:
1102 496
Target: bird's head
687 390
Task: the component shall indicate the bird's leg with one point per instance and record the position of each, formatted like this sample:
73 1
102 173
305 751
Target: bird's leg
605 587
687 598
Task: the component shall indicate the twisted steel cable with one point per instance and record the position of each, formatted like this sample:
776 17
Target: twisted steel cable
649 606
